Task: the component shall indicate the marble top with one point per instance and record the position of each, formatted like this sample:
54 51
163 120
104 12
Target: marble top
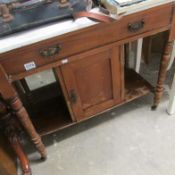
32 36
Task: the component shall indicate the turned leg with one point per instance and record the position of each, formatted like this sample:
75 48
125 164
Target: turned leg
18 149
24 119
162 74
9 94
10 127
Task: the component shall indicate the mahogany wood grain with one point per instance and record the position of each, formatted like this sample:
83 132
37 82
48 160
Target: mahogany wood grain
172 31
7 158
137 89
9 94
55 64
25 121
162 73
86 39
6 89
96 81
64 91
18 149
54 120
93 78
11 128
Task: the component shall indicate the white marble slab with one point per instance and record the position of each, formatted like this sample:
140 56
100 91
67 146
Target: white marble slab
48 31
142 6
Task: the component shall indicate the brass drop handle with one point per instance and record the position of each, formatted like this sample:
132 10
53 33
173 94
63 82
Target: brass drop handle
51 51
73 96
136 26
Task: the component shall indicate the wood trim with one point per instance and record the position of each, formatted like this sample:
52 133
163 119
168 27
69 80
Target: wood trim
97 36
64 90
122 78
172 32
19 76
116 73
112 54
87 29
5 89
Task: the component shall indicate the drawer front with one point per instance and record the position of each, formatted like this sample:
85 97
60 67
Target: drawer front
49 51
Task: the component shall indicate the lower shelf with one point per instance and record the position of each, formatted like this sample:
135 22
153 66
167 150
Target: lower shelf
135 86
53 114
51 117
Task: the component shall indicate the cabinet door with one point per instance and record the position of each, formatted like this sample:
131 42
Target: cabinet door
94 81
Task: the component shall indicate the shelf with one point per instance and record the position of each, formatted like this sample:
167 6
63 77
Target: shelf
47 108
135 86
51 116
50 113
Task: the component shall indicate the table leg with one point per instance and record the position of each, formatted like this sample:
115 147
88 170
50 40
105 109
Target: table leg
162 73
24 119
9 94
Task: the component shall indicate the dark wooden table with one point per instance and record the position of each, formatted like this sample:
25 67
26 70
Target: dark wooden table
88 65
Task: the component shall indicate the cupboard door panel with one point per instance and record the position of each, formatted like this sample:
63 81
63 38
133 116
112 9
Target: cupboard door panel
94 81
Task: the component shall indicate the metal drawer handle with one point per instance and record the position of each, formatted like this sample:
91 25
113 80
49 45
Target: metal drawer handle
136 26
51 51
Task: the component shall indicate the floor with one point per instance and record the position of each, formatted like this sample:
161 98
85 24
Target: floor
128 140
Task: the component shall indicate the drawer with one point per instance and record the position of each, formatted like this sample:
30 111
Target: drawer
85 39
